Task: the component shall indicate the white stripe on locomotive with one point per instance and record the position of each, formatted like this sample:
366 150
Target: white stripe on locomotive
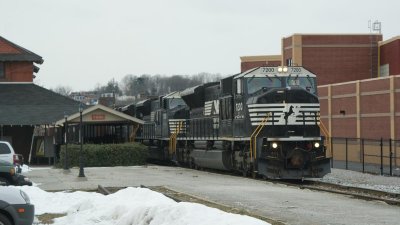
307 113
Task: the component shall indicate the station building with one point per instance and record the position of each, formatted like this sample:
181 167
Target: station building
25 105
34 119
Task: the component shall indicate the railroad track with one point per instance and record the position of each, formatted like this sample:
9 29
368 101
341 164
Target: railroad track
357 192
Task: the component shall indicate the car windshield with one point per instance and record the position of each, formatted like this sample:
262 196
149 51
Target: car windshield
255 84
307 83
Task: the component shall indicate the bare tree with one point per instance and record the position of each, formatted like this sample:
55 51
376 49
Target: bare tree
62 90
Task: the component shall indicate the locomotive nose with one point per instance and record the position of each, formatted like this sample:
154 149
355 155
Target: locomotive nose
273 96
297 95
296 159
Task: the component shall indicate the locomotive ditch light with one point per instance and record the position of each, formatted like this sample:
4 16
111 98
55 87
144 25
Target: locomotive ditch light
274 145
316 144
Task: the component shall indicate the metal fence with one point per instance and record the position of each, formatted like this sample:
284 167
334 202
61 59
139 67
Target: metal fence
366 155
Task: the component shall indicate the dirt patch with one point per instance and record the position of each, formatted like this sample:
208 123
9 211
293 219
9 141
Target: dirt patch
48 218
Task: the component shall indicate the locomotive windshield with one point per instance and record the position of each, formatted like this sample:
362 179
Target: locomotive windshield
307 83
175 102
255 84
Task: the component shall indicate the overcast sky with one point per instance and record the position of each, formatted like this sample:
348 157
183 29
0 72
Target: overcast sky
85 42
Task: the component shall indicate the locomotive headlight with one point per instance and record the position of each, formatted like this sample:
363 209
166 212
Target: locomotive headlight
316 144
285 69
274 145
280 69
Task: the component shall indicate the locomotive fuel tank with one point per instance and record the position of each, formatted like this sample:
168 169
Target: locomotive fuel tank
213 159
211 154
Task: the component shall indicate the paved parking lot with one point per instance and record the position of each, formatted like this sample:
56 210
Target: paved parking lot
276 201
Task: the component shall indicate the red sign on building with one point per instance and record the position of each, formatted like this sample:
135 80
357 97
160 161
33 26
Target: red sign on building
98 117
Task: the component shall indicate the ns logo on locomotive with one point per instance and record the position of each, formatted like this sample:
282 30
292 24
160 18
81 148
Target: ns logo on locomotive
263 121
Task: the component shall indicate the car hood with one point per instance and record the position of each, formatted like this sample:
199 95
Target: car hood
11 195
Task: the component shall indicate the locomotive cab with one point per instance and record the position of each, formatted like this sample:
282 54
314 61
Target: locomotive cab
279 107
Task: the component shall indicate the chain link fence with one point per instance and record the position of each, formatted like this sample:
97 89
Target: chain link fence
366 155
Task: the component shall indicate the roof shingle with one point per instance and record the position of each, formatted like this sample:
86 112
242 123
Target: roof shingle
29 104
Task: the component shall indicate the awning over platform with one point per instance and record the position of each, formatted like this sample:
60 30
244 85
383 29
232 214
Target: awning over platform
100 114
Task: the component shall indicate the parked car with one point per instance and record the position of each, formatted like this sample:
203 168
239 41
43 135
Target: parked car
15 207
9 176
7 153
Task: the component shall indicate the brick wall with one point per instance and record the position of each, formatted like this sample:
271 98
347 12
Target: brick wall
362 109
18 72
7 48
390 54
336 58
249 65
15 71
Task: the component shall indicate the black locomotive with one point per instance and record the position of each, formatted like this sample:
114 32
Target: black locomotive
264 121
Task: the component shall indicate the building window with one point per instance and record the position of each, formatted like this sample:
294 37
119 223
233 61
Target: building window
2 70
289 62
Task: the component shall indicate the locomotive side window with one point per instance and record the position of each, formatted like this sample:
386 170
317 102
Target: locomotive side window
238 86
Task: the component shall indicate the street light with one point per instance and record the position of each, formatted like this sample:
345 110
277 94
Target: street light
81 171
66 142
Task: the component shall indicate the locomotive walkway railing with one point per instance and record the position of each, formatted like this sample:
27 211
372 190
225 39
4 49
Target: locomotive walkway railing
253 137
327 135
172 138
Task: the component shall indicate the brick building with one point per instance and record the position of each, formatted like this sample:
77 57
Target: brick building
249 62
390 57
355 103
362 109
17 64
334 57
24 105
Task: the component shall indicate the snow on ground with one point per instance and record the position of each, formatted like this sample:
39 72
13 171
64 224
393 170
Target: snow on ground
128 206
25 168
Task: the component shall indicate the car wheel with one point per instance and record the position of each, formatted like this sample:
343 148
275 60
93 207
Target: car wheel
4 220
4 181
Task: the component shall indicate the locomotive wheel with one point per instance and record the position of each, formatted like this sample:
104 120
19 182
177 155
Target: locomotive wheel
245 169
254 174
190 163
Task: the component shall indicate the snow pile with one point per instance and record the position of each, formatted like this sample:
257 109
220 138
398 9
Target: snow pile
129 206
25 168
55 202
